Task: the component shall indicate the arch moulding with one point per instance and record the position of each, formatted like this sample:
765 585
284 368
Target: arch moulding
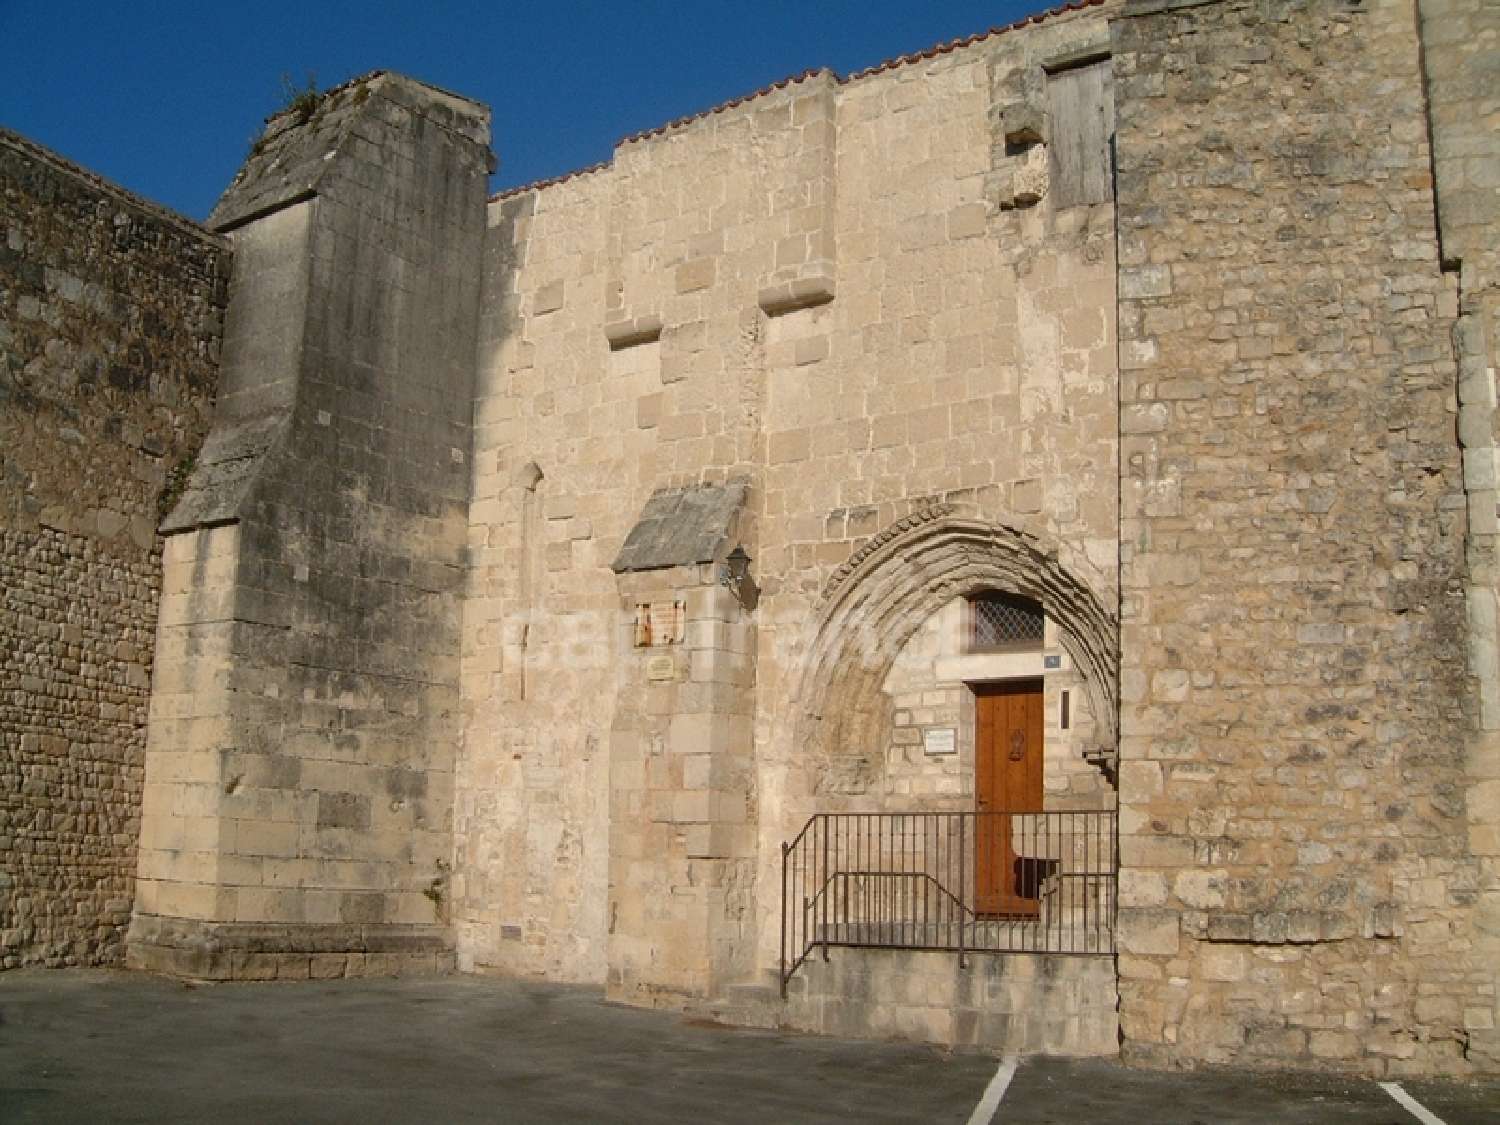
878 599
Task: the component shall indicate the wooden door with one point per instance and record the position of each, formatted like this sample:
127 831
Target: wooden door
1008 779
1081 110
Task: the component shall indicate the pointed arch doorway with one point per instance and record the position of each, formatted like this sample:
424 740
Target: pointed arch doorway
891 848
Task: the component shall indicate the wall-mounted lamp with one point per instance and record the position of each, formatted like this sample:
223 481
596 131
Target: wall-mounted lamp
734 574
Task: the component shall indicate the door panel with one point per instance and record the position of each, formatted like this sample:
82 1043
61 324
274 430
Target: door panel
1081 107
1008 779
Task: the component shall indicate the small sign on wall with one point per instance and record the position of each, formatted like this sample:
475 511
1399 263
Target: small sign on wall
940 740
1051 662
661 668
659 623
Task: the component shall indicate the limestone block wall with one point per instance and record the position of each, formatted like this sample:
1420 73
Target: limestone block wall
621 351
564 432
967 363
1297 876
299 777
110 320
1019 1003
827 290
682 798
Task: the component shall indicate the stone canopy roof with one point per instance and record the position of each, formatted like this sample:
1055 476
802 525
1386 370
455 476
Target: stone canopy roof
682 527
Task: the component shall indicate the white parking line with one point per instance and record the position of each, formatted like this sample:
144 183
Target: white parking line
1410 1104
984 1112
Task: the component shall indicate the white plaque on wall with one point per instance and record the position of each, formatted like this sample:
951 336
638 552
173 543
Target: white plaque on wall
940 740
661 668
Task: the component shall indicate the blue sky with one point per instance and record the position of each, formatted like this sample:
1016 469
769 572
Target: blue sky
166 97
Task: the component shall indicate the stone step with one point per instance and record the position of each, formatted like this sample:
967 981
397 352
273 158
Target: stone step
742 1005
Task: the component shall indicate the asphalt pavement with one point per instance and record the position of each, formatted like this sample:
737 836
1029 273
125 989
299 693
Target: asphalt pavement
92 1046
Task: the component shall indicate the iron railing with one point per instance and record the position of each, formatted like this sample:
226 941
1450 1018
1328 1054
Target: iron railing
980 882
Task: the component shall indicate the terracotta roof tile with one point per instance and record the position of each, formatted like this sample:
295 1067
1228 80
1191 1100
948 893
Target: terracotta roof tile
955 44
794 80
537 185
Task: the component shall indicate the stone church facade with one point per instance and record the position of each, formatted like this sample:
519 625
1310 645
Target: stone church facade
1106 405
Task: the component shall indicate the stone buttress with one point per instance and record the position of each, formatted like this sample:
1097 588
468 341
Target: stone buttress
298 795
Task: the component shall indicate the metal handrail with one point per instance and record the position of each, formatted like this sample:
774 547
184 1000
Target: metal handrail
921 876
1038 882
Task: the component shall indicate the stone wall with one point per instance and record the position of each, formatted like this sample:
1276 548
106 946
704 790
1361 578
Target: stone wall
1015 1004
682 800
303 728
532 853
1296 879
110 319
856 297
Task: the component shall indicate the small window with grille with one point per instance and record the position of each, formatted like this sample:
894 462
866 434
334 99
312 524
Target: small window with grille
1005 622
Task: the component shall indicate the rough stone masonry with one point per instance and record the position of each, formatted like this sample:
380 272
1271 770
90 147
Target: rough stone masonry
1298 749
111 312
1175 320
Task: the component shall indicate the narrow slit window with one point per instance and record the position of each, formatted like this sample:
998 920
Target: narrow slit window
1005 622
1063 717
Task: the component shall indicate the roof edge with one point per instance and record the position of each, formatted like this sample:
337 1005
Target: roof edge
899 61
371 76
38 151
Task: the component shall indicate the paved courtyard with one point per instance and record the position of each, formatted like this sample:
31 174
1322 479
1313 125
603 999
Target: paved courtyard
115 1047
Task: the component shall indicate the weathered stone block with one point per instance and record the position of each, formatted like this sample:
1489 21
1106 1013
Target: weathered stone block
1023 123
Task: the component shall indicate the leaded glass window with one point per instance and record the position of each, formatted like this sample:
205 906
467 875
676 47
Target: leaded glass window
1005 621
